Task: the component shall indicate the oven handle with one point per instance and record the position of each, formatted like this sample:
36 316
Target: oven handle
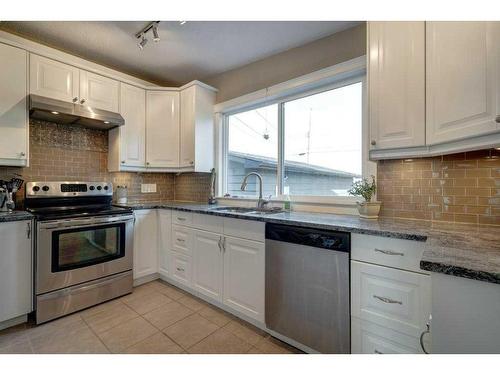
81 223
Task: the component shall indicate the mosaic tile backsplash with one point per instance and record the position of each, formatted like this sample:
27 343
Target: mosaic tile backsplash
62 152
462 188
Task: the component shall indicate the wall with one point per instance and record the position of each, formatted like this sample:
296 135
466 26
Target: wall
461 188
322 53
71 153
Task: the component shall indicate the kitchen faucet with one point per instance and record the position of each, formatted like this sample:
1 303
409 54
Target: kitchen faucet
261 202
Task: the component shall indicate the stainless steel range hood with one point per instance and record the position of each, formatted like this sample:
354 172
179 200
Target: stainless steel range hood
60 112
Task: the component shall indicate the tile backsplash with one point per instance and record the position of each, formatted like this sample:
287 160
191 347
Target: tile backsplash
462 188
71 153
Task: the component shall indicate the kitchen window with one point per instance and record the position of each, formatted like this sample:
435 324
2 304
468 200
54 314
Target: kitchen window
310 145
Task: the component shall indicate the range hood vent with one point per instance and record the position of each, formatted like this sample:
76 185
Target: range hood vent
60 112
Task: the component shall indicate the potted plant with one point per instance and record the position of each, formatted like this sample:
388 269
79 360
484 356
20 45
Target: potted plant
366 189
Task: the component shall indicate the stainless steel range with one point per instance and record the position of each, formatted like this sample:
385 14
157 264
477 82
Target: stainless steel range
83 246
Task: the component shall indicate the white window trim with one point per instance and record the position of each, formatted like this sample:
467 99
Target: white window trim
322 80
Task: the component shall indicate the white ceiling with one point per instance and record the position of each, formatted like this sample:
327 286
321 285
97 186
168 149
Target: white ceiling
194 50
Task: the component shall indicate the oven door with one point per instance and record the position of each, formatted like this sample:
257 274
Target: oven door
74 251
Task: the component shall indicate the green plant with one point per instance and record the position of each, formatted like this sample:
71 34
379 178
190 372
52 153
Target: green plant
364 188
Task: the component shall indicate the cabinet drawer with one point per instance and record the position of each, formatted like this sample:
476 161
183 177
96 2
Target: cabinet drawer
182 239
247 229
180 268
369 338
392 252
395 299
209 223
182 218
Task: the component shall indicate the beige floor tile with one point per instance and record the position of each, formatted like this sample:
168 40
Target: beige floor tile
215 315
66 323
99 308
245 331
13 335
139 291
110 317
20 347
148 302
191 330
66 340
167 314
220 342
169 290
156 344
193 303
127 334
270 345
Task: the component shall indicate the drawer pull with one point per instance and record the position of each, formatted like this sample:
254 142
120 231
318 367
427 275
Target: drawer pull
180 269
389 252
377 352
180 240
181 218
387 300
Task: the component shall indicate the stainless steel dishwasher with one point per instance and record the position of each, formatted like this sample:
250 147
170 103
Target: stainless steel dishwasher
307 286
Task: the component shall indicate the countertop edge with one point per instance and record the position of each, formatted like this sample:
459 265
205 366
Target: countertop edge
15 216
460 271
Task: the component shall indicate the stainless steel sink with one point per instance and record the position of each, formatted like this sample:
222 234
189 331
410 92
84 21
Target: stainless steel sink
249 210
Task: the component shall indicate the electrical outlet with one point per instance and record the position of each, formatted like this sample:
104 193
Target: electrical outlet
148 188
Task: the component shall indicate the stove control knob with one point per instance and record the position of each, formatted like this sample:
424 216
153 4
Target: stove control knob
36 188
99 188
91 187
106 187
45 188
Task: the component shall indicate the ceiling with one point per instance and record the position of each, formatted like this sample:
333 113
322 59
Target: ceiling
194 50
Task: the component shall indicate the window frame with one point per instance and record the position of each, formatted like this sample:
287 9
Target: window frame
330 82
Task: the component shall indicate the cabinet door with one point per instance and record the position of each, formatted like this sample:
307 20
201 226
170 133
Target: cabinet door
99 92
463 79
164 240
162 129
15 269
187 128
54 79
207 264
244 277
396 84
13 111
133 133
145 243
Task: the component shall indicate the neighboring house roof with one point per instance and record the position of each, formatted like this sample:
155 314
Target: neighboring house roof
263 162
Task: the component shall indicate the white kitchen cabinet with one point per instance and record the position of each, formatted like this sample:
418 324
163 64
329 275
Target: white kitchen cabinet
162 129
164 240
54 79
207 264
396 84
244 276
13 106
181 268
463 80
145 243
15 269
99 92
197 128
127 143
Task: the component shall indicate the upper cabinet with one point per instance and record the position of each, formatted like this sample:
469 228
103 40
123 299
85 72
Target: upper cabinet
396 66
197 128
434 87
61 81
99 92
463 80
54 79
13 106
162 129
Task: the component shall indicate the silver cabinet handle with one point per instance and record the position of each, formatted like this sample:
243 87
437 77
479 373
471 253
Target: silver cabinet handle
219 243
181 218
224 244
180 240
82 101
191 162
22 153
180 269
387 300
373 142
28 230
389 252
422 335
377 352
123 161
75 99
498 119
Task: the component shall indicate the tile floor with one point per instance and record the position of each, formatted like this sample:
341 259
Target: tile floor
155 318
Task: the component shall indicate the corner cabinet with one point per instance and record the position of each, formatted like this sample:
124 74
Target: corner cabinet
13 106
396 66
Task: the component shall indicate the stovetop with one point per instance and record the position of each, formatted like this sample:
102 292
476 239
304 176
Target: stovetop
66 212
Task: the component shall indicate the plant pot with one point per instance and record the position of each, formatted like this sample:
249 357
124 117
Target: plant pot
369 210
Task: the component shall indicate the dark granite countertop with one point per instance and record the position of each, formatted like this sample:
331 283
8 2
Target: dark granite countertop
456 249
15 216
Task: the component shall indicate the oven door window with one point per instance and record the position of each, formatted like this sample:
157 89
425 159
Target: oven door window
82 247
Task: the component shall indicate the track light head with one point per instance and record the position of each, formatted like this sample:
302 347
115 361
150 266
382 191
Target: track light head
143 42
156 37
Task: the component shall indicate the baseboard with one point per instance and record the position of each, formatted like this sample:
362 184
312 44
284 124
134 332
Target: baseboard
146 279
13 322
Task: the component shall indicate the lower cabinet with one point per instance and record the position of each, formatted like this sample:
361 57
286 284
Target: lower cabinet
164 240
15 269
180 268
207 264
244 276
145 243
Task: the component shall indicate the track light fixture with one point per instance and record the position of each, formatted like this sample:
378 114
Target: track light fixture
142 34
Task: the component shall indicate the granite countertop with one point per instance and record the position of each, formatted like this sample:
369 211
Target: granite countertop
456 249
15 216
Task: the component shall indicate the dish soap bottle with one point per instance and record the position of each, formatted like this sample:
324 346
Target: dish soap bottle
288 203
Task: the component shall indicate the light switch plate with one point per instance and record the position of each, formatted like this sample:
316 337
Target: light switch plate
148 188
